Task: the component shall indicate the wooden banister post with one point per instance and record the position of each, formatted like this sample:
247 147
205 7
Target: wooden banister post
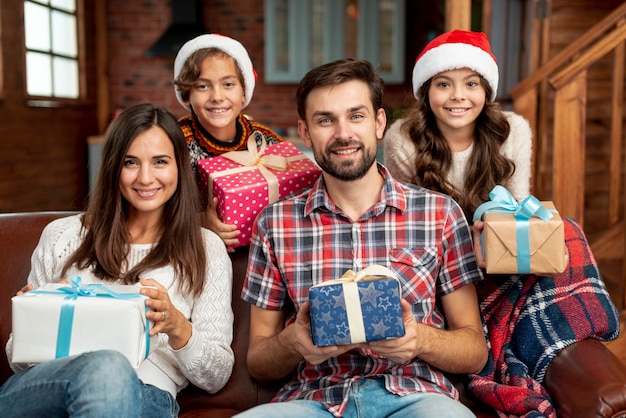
569 147
458 14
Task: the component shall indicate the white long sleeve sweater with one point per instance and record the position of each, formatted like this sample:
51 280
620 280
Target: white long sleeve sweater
207 359
400 154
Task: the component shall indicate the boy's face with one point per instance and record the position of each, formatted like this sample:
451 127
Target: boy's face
343 127
218 96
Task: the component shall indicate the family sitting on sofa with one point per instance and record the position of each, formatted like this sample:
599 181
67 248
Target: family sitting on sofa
498 338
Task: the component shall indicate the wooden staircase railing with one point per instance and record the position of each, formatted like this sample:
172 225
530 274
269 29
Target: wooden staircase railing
559 88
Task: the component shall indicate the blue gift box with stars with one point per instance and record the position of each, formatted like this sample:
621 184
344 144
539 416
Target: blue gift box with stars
347 311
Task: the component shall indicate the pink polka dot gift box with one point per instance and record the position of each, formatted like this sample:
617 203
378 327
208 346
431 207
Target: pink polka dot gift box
246 181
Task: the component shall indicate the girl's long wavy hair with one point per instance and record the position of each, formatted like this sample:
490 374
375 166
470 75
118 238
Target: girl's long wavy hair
486 167
107 240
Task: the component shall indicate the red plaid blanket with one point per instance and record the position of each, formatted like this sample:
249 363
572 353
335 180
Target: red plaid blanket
528 319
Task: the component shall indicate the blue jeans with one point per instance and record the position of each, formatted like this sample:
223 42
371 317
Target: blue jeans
369 398
97 384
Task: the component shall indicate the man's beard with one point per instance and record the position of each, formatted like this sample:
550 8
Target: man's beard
346 170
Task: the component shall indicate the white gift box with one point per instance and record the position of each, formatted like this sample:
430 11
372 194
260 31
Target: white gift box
113 317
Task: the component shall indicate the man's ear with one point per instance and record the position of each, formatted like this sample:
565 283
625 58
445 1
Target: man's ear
303 132
381 123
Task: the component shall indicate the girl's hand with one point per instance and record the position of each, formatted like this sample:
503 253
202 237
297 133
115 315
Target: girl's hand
164 315
477 230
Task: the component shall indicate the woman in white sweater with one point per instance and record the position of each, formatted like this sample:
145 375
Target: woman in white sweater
141 227
456 140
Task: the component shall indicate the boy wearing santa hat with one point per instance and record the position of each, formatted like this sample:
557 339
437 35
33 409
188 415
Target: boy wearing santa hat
214 79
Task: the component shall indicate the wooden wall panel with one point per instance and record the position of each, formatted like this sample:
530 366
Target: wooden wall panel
567 21
43 150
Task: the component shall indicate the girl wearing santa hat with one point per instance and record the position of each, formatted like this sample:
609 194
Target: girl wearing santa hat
456 139
214 79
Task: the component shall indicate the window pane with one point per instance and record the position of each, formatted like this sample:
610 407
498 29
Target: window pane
38 74
67 5
316 42
37 26
65 78
351 47
305 34
64 34
386 15
282 35
51 34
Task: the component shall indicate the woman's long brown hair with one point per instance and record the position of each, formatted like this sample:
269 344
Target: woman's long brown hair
106 245
486 167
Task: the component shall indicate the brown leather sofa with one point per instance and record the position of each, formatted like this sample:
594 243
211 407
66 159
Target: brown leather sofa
585 379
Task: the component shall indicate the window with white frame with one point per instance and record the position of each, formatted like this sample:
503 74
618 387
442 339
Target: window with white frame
51 34
300 35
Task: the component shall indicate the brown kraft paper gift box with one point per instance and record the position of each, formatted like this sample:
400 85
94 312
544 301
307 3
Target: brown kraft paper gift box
545 237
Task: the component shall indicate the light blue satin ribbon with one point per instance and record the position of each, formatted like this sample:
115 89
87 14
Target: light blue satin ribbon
66 320
503 202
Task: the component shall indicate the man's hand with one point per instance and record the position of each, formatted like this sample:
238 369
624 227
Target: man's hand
459 348
303 343
402 349
275 351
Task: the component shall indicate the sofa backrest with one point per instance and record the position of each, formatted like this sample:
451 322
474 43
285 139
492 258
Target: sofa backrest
242 391
19 235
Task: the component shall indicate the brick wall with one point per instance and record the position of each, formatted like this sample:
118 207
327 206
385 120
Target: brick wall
135 26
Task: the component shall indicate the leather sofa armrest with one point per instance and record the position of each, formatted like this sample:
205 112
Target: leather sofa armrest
587 380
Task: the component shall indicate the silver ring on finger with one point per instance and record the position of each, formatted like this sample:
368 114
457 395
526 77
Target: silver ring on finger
164 316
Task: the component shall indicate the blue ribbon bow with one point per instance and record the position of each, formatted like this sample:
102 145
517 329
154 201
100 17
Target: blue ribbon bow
66 320
502 201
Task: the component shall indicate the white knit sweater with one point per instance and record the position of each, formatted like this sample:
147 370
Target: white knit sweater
400 154
207 359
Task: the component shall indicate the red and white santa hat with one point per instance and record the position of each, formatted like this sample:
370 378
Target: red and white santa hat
230 46
454 50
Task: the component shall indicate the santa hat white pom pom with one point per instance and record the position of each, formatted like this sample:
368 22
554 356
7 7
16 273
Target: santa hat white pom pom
453 50
230 46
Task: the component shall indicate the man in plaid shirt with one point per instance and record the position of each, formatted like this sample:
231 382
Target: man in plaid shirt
354 216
